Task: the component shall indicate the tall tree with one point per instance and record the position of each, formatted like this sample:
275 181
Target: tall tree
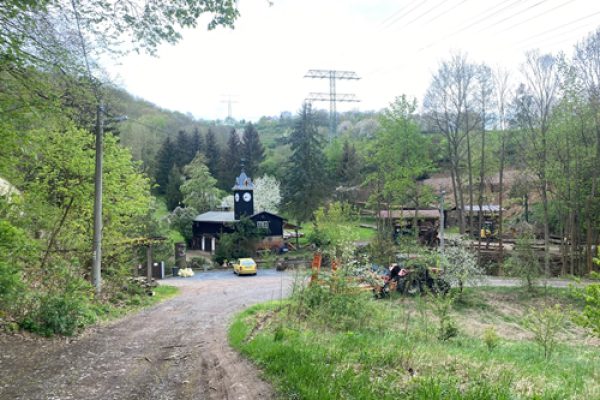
347 172
213 153
304 187
586 63
252 150
230 163
173 196
503 93
199 188
448 103
185 149
166 158
536 98
197 142
400 155
485 103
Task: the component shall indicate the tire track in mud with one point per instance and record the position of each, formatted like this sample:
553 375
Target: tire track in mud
174 350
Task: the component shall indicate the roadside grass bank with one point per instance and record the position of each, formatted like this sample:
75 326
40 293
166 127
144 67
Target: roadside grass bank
138 302
476 345
69 316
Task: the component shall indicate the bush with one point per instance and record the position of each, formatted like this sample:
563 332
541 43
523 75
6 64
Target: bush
60 314
335 303
491 338
11 285
441 306
460 266
181 220
545 325
590 317
524 262
12 242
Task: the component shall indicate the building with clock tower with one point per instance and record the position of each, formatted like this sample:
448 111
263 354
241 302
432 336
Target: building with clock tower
243 196
208 227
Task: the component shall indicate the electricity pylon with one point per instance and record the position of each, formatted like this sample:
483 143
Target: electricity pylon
333 97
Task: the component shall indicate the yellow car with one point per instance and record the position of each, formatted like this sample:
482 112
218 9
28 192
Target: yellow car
245 266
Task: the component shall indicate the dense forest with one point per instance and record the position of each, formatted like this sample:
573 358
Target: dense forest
475 126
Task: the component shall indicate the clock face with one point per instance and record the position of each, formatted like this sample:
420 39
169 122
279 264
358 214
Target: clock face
237 197
247 196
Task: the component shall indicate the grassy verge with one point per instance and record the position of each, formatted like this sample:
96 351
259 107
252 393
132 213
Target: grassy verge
107 312
394 352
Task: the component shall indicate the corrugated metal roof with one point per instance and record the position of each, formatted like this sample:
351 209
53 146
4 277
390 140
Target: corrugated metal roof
409 214
485 208
216 216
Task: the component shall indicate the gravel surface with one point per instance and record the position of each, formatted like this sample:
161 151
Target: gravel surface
175 350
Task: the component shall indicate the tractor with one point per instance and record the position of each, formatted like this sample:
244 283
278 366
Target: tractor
413 279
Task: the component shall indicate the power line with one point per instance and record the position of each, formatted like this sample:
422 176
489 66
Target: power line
488 13
552 38
406 13
424 14
444 12
513 15
558 27
389 18
535 16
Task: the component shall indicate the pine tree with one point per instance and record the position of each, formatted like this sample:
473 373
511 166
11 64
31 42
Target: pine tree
348 169
230 162
304 187
197 142
213 153
173 195
253 151
165 159
185 150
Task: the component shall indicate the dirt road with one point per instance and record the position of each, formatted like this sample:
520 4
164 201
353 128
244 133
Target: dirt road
175 350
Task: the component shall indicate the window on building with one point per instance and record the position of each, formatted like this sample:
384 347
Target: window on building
262 225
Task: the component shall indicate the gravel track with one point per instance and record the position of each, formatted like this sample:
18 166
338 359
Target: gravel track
175 350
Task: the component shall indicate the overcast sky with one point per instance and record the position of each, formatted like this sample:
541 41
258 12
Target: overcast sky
394 46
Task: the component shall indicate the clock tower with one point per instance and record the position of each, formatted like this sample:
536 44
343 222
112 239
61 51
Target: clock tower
243 196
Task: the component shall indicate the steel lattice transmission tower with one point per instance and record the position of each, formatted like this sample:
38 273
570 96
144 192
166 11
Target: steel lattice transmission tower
333 97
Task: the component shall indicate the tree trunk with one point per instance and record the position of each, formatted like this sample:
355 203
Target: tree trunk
55 233
481 188
500 212
546 228
470 180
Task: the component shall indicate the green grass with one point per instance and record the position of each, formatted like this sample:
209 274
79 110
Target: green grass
396 354
362 234
135 303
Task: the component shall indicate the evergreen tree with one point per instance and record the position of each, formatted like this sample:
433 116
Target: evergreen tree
185 150
304 187
165 159
197 142
253 151
173 195
230 162
213 153
348 169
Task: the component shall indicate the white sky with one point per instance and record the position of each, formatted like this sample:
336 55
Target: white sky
394 46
